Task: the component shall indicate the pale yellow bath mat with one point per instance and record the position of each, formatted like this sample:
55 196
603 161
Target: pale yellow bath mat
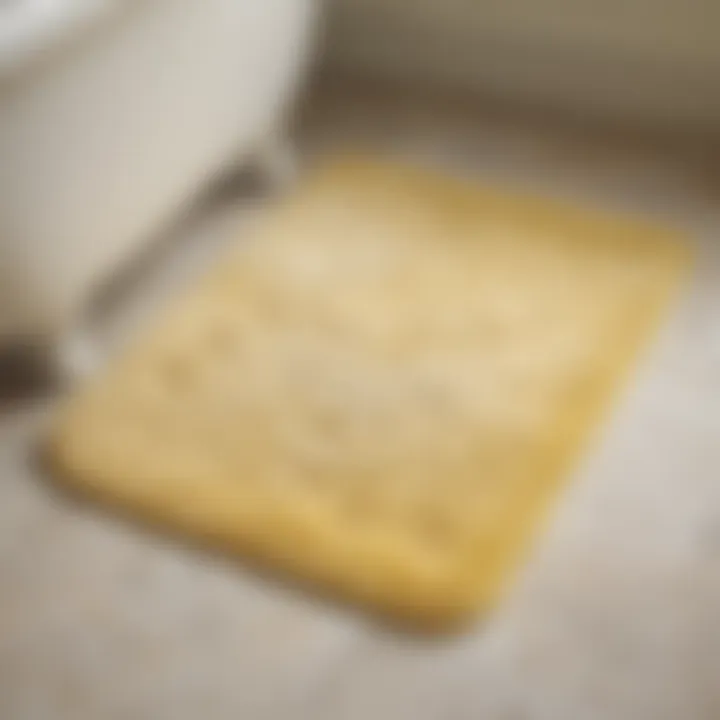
382 390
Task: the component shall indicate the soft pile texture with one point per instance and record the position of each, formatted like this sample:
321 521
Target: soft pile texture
382 390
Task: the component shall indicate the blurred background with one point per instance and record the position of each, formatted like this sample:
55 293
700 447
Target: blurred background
646 60
139 137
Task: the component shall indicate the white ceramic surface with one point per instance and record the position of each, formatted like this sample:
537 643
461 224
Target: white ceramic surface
102 145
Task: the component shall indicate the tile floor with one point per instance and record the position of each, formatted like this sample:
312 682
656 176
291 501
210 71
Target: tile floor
615 617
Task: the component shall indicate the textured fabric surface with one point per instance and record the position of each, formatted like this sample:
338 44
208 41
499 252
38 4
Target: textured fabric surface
381 391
